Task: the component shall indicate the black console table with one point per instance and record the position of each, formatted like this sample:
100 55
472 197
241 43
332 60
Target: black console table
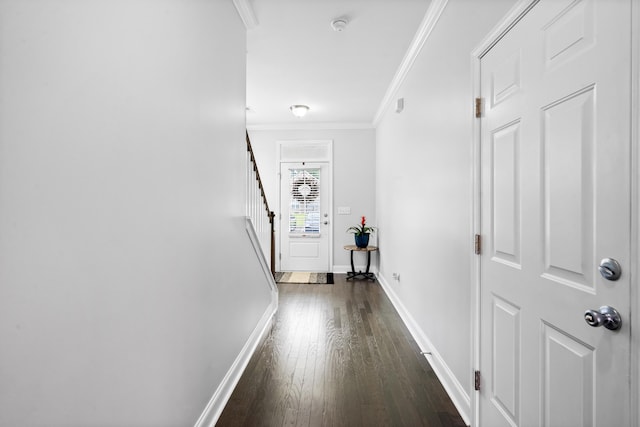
366 274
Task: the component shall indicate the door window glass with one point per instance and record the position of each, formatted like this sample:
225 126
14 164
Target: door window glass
304 201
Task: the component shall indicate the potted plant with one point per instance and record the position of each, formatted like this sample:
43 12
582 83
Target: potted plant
361 233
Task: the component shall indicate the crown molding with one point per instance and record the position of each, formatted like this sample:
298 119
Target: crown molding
424 31
246 13
312 126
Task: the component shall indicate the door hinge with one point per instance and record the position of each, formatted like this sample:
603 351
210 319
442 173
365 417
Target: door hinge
477 244
478 108
280 256
476 380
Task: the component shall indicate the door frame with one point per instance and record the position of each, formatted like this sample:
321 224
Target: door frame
517 12
635 208
328 159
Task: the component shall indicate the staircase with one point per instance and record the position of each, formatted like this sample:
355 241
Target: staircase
258 212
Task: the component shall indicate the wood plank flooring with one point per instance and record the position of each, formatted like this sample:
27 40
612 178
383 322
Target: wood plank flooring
338 355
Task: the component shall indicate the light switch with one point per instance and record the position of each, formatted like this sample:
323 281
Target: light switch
344 211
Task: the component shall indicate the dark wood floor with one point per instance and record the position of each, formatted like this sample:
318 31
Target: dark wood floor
338 355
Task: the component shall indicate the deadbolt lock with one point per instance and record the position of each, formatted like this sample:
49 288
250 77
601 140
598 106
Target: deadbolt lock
610 269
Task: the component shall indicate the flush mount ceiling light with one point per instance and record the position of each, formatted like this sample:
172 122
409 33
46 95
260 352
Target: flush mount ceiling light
339 24
299 110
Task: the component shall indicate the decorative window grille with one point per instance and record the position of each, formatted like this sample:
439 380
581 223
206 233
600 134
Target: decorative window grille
304 203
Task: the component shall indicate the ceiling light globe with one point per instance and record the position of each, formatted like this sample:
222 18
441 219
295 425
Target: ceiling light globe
299 110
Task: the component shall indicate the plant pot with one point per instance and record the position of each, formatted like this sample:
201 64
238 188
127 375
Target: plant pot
362 240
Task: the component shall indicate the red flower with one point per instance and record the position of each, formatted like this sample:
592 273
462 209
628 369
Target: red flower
362 228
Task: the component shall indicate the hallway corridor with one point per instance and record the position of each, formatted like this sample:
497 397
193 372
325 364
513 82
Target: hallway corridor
338 355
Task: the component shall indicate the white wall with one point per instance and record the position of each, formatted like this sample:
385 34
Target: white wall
423 187
128 285
354 171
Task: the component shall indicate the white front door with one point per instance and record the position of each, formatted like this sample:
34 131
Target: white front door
304 221
555 201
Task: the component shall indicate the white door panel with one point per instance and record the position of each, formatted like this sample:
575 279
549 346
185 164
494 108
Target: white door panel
304 223
555 200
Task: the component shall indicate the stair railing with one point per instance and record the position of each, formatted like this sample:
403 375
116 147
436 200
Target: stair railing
262 218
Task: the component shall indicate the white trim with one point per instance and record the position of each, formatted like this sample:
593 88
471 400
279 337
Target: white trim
512 17
216 404
506 23
424 31
475 229
266 268
246 13
452 386
329 162
346 268
312 126
341 269
634 395
214 408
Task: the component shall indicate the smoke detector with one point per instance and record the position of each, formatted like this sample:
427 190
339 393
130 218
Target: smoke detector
339 24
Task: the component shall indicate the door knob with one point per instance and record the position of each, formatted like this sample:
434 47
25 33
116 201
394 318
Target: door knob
610 269
605 316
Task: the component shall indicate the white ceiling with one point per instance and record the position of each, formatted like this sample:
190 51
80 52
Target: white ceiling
295 57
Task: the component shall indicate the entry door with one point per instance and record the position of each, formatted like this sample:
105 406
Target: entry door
555 201
304 223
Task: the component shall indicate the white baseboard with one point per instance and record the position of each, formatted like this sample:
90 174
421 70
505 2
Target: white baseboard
344 269
454 389
222 394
